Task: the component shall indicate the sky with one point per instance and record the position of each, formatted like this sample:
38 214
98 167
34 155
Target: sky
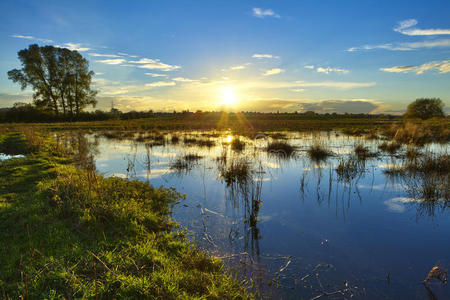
327 56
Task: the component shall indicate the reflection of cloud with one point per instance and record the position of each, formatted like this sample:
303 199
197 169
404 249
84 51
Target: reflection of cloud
120 175
154 173
443 67
262 13
272 165
405 27
397 204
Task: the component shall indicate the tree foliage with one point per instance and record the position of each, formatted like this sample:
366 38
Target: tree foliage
59 77
425 108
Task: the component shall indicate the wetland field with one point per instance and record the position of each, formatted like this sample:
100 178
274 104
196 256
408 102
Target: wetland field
295 214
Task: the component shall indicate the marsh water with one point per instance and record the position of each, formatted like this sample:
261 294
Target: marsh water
292 225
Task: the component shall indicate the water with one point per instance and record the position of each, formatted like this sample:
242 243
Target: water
294 226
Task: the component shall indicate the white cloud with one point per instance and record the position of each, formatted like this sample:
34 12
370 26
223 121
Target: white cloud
114 61
74 47
30 37
273 72
103 55
298 90
404 46
237 67
405 27
328 70
160 84
304 84
182 79
442 66
156 75
311 67
154 64
262 13
261 56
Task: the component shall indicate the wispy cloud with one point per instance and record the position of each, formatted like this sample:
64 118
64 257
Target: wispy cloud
30 37
442 66
273 71
261 56
262 13
329 70
407 27
305 84
311 67
404 46
103 55
237 67
160 84
298 90
154 64
156 75
74 47
114 61
182 79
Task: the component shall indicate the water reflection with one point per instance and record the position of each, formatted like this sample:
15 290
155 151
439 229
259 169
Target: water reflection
305 226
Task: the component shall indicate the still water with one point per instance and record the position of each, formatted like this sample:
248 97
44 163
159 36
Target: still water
294 226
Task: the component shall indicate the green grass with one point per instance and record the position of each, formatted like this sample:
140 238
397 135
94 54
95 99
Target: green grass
72 233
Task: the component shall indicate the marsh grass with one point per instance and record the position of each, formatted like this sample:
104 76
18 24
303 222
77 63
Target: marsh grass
238 170
426 178
280 148
185 162
349 169
419 133
362 152
318 153
237 144
390 148
200 142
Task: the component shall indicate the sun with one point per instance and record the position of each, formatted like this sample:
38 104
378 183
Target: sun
228 96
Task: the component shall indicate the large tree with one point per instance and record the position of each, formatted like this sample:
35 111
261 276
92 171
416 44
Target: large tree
60 78
425 108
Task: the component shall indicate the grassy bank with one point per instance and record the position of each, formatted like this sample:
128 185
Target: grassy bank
72 233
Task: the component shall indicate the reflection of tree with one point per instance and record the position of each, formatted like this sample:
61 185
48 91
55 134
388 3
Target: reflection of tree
81 147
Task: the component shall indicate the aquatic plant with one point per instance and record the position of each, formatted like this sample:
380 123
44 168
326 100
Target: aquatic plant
362 152
318 153
280 148
238 170
390 148
237 144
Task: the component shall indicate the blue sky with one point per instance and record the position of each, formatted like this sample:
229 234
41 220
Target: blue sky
355 56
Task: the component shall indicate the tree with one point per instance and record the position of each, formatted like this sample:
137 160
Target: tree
425 108
60 78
